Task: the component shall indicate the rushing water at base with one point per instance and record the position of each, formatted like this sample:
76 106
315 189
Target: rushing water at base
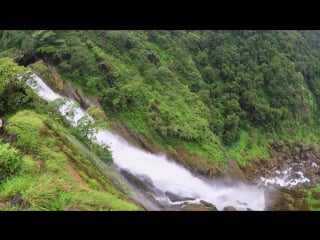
165 175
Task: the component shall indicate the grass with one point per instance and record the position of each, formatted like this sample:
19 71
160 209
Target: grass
51 185
249 147
313 203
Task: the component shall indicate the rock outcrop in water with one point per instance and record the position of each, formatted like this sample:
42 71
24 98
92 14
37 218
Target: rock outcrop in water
199 207
143 182
297 160
229 208
177 198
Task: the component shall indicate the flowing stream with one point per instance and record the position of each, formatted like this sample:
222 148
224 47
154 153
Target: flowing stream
162 173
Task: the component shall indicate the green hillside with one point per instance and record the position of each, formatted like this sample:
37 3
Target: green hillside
203 97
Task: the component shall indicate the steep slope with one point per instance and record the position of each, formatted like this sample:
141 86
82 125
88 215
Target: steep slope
40 167
203 91
210 99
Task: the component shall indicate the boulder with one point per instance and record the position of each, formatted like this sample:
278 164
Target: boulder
229 208
209 205
177 198
143 182
197 207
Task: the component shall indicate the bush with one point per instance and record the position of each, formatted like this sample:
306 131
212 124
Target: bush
10 161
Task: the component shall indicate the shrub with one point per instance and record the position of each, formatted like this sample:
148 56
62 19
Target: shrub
10 161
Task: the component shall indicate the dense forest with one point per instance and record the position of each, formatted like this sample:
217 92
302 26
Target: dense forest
209 96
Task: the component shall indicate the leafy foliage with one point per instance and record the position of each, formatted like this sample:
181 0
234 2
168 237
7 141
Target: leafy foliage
188 86
10 161
50 169
12 92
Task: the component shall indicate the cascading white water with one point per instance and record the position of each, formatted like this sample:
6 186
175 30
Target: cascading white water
165 175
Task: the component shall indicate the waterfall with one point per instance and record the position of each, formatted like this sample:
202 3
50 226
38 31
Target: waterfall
165 174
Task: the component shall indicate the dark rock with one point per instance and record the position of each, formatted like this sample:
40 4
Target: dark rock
235 172
84 101
77 96
71 92
295 175
138 138
209 205
17 200
154 201
26 59
177 198
229 208
196 207
143 182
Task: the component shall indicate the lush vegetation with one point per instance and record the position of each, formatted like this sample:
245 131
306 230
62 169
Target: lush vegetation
40 168
218 90
214 94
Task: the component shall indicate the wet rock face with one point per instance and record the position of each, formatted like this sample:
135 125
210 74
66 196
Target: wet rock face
235 172
77 95
198 207
84 101
142 181
303 173
294 166
229 209
177 198
287 176
194 207
209 205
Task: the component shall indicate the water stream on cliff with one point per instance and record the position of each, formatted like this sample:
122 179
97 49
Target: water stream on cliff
162 174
